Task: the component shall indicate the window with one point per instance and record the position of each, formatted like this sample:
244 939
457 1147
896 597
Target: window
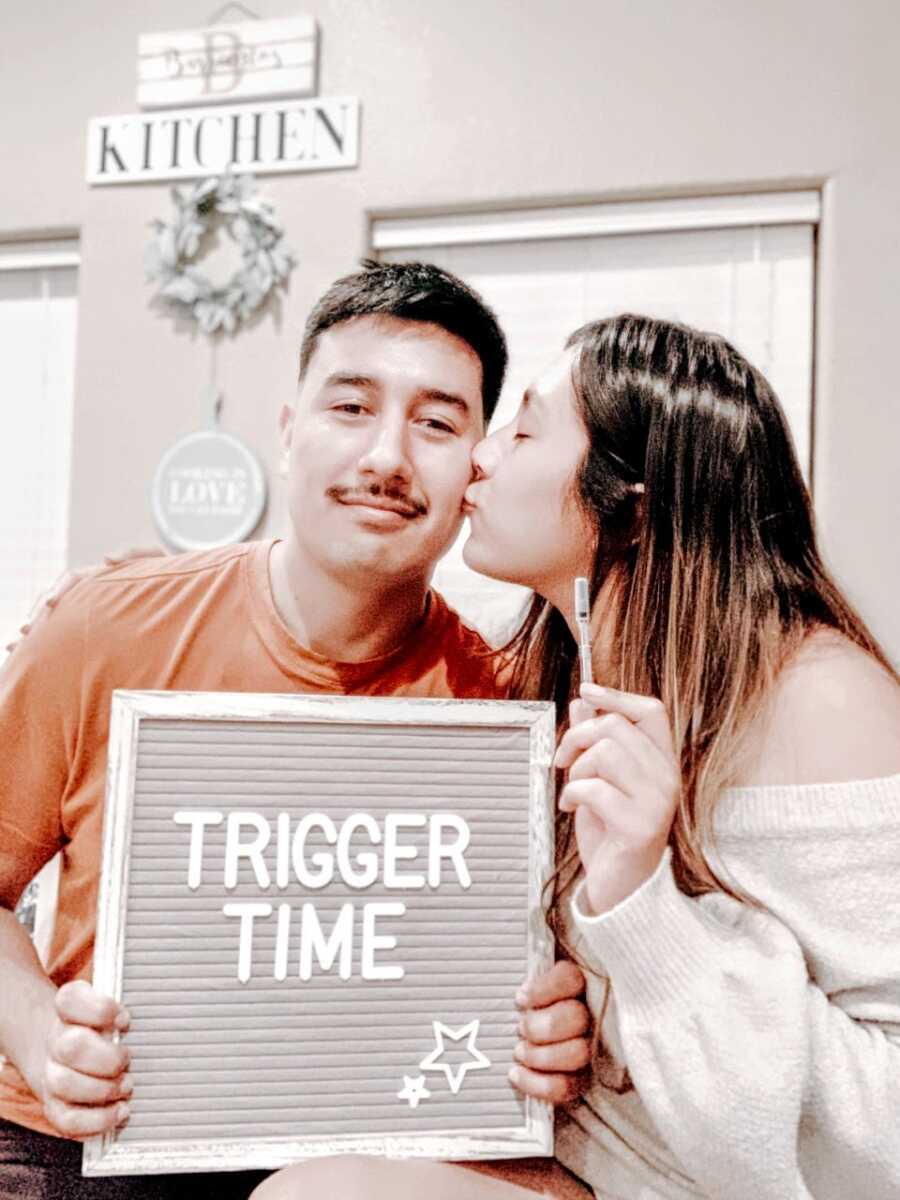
38 309
742 266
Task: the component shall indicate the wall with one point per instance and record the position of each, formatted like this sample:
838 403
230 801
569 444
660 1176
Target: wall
484 102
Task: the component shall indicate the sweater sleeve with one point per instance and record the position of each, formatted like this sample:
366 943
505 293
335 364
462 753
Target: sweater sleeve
762 1085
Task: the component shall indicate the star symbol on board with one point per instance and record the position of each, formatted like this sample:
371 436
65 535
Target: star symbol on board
455 1075
413 1090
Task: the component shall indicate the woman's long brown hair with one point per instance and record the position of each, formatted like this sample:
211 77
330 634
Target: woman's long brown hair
707 550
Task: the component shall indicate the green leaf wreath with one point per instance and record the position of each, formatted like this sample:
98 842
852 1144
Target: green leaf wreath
250 221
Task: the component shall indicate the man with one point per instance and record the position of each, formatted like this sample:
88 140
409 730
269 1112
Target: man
399 367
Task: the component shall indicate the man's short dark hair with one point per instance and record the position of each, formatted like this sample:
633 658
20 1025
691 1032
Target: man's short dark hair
414 291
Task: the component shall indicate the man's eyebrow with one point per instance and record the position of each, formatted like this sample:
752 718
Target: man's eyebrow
344 379
348 379
442 397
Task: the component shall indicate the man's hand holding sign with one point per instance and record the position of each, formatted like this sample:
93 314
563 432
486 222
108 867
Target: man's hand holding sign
82 1075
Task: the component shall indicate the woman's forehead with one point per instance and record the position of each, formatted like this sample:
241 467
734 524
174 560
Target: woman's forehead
554 383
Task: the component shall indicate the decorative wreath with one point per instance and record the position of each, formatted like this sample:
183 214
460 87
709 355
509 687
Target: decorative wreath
251 222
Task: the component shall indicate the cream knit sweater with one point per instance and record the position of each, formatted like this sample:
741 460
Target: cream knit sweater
764 1044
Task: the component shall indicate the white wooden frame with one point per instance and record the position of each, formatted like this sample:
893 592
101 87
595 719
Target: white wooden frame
40 255
607 218
105 1155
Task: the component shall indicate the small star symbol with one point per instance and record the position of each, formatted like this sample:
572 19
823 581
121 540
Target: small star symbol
414 1090
456 1075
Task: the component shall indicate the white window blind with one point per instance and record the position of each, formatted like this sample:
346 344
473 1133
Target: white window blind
38 313
746 272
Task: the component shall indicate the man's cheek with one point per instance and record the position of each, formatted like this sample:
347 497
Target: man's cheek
461 480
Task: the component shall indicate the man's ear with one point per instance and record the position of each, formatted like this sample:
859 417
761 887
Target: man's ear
286 425
286 430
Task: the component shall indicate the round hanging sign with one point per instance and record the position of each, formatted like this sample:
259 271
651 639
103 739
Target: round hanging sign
209 490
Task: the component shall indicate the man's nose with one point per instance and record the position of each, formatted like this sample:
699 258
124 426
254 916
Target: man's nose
387 454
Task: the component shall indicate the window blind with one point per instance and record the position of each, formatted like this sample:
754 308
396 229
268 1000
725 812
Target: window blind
38 314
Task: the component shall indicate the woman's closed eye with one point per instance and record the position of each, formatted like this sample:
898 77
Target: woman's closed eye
525 426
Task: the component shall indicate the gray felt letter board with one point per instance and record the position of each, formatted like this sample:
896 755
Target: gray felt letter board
318 910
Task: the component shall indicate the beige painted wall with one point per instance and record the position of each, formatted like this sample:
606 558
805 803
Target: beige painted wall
485 102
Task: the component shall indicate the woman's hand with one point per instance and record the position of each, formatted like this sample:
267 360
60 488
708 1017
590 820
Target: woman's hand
555 1048
48 600
623 787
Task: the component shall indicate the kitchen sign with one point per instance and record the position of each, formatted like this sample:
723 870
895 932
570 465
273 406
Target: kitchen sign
299 135
250 60
279 126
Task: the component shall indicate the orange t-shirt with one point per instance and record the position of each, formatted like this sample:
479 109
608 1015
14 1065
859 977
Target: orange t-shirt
195 622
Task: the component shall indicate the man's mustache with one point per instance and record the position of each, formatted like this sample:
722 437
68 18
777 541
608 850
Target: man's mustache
378 491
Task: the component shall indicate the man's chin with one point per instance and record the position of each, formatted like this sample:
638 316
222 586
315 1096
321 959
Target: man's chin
367 560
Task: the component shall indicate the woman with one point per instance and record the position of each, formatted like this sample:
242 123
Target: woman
731 816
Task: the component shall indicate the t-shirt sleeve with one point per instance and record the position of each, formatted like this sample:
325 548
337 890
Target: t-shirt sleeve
40 691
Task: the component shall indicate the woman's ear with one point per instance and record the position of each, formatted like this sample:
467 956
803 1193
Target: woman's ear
637 491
